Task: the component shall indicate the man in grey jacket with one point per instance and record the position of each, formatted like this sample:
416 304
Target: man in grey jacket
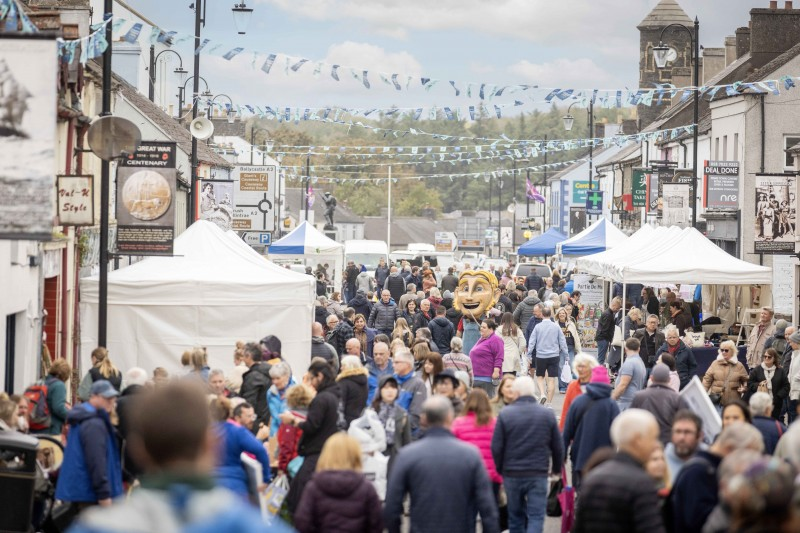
660 400
384 314
412 390
445 478
525 439
320 348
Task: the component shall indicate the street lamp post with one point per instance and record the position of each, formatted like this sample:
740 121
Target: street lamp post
180 71
182 91
279 225
661 56
569 120
499 215
231 114
269 143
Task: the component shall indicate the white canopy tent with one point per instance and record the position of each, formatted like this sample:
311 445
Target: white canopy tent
309 244
213 292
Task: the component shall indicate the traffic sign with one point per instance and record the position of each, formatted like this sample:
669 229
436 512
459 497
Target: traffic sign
257 238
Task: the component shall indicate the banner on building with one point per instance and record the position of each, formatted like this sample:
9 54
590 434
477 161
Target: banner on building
776 213
639 187
722 184
577 220
594 203
75 200
254 197
216 203
146 200
27 135
676 208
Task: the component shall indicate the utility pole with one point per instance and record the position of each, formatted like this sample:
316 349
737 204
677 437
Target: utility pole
308 180
105 186
389 213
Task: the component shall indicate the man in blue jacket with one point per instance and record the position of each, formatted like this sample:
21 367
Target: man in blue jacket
91 472
445 478
525 439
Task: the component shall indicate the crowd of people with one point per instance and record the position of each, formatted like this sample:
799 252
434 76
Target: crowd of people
413 406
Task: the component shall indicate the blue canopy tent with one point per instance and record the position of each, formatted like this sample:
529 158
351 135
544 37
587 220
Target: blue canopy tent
599 237
544 244
309 244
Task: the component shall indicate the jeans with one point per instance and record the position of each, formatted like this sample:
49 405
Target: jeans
562 386
527 501
792 410
602 349
487 386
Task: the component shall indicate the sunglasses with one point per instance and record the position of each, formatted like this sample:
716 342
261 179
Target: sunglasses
724 350
768 357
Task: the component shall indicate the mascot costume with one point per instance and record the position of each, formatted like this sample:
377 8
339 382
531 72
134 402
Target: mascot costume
475 295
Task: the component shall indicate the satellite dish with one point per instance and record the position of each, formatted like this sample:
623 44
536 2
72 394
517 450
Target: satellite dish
112 137
201 128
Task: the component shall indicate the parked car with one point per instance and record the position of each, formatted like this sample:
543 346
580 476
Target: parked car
523 270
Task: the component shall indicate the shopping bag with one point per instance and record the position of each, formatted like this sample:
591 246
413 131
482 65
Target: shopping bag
553 505
566 372
567 500
276 493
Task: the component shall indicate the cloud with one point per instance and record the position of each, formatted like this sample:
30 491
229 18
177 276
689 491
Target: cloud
372 57
561 72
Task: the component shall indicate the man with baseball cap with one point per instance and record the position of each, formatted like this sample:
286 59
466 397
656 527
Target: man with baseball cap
91 473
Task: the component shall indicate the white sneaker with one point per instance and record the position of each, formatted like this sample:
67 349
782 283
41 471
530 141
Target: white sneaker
549 406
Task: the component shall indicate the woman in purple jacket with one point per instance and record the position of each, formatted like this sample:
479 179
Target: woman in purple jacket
487 358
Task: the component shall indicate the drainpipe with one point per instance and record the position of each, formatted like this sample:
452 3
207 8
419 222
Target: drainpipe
763 133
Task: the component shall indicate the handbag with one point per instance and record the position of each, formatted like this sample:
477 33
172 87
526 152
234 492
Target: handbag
762 387
566 372
276 494
553 505
617 341
295 465
567 500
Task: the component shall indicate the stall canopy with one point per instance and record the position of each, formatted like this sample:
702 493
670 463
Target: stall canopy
309 244
213 292
544 244
600 236
675 255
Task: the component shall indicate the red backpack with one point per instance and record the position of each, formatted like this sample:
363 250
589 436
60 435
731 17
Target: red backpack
39 409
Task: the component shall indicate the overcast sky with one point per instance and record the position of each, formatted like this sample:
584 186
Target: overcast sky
552 43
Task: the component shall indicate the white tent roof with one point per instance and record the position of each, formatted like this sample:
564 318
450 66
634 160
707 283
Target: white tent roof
306 240
646 242
214 291
679 256
600 236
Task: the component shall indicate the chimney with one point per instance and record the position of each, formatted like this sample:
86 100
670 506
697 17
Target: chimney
787 5
630 126
599 130
742 41
773 4
730 49
713 63
773 32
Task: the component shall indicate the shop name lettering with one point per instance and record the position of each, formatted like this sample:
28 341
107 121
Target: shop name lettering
77 194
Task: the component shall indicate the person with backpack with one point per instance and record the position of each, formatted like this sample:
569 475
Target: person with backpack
102 368
48 400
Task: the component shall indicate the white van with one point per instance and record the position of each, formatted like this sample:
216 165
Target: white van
366 253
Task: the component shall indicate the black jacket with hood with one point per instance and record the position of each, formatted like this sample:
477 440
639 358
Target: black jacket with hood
255 384
442 332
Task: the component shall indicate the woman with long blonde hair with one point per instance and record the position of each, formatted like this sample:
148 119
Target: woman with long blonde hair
403 332
339 497
102 368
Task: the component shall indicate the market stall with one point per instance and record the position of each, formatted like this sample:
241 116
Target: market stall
600 236
544 244
213 292
311 246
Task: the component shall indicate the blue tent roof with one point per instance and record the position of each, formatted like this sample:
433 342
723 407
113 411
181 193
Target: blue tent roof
305 239
544 244
597 238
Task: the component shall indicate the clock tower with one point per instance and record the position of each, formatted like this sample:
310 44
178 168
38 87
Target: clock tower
666 12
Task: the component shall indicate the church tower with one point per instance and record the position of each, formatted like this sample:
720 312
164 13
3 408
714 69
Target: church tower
679 68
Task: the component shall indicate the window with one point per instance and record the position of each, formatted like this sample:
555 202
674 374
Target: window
716 148
735 146
724 147
788 142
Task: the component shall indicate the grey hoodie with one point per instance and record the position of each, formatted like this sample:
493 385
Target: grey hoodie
524 310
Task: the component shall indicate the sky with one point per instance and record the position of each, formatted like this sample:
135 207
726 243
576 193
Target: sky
551 43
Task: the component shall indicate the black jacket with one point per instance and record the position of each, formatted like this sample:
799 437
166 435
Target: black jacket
421 321
255 384
114 379
360 305
321 420
354 392
533 282
525 438
685 363
618 497
383 316
648 358
449 282
605 326
350 275
524 310
681 321
396 285
125 406
695 493
780 386
320 348
442 332
320 314
381 273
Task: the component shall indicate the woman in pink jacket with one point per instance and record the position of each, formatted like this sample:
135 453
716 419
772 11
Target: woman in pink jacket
476 427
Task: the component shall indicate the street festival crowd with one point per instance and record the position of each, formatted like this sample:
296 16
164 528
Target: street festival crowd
428 401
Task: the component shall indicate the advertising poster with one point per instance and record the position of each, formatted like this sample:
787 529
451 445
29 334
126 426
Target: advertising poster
577 220
639 188
675 204
254 198
722 184
580 189
28 68
591 307
146 200
75 200
776 210
216 202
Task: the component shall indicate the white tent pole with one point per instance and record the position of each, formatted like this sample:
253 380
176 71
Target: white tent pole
624 291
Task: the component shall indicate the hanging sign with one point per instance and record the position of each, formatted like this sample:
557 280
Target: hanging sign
594 203
254 198
75 198
722 184
579 192
676 210
775 210
146 200
216 203
639 187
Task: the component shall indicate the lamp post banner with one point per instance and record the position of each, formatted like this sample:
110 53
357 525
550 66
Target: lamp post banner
146 200
776 215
